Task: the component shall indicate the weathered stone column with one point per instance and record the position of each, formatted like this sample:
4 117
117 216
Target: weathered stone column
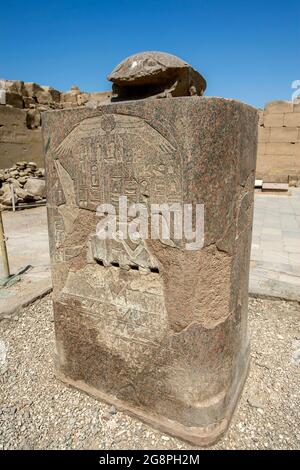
151 327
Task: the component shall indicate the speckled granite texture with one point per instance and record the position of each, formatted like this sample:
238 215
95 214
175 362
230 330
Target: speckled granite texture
167 341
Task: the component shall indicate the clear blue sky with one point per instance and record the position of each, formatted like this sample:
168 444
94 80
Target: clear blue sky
247 49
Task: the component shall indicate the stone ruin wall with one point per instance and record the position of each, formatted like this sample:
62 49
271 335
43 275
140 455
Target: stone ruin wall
21 105
278 155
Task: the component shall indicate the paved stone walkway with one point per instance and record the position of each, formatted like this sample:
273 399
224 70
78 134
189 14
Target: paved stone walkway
27 238
27 244
275 254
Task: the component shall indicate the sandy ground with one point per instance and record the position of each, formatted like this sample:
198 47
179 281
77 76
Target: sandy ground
39 412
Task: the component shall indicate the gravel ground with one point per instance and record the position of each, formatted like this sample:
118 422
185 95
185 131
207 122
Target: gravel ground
38 412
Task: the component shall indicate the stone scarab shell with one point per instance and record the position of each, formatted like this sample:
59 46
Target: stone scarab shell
155 75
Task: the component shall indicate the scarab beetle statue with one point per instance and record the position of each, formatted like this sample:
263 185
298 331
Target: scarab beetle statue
155 75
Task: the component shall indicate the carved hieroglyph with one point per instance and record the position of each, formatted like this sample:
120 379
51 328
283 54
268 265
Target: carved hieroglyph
144 324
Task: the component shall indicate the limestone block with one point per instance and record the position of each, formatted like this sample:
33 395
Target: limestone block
279 107
14 99
14 182
275 187
55 94
284 134
69 99
83 98
35 187
259 174
23 196
101 96
11 118
273 120
274 177
296 106
279 148
17 142
260 117
292 119
263 134
32 89
33 118
2 96
276 168
261 148
44 97
277 165
29 102
294 178
148 325
5 195
14 86
75 90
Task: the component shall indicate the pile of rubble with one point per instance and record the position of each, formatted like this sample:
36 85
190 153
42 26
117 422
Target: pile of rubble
22 184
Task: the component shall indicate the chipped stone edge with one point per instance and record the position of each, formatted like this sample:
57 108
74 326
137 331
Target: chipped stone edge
197 436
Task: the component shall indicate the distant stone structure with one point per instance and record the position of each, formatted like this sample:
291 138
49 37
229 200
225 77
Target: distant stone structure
21 105
17 141
145 324
154 75
278 155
